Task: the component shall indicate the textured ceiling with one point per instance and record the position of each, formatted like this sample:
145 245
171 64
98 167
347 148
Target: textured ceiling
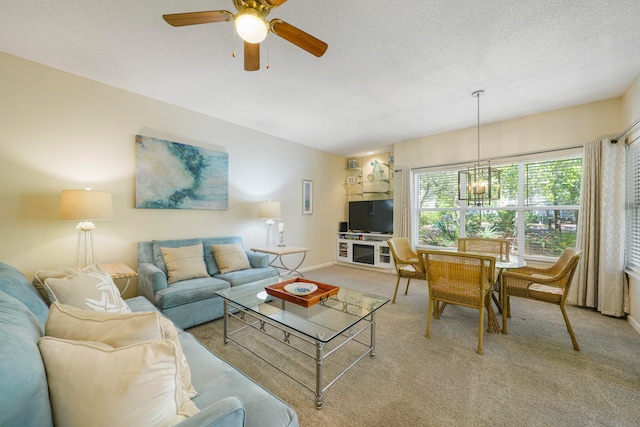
394 70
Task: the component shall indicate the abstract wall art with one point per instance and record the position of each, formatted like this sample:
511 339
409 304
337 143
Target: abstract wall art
171 175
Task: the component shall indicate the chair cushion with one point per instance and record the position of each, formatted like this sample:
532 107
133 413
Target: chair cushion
230 257
92 383
90 289
183 263
116 330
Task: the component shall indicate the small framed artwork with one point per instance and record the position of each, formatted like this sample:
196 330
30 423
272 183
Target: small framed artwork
351 180
307 197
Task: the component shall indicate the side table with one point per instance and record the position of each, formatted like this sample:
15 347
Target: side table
120 270
279 252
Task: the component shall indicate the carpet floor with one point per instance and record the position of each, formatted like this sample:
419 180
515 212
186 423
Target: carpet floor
529 377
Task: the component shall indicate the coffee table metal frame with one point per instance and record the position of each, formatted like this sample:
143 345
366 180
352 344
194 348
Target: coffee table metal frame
245 309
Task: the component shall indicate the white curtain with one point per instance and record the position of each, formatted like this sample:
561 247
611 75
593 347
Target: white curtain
404 202
600 280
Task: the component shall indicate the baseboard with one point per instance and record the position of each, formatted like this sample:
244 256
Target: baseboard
634 324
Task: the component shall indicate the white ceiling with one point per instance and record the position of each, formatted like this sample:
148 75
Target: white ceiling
394 70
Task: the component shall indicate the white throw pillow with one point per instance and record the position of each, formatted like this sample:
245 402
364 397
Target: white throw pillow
184 262
94 384
116 330
230 257
91 288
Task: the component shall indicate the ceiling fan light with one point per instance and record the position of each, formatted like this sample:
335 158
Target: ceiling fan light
251 26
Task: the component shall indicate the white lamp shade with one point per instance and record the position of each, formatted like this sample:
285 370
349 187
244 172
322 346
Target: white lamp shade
85 205
251 26
268 209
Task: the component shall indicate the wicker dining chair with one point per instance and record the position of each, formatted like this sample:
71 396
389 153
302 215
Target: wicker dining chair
458 278
499 247
542 284
406 262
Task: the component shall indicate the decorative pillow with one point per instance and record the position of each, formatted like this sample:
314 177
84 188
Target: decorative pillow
185 262
93 383
91 289
42 275
116 330
230 257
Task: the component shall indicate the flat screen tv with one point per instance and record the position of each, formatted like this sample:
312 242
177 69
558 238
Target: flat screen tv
371 216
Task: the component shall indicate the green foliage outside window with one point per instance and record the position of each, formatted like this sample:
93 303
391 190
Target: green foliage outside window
548 204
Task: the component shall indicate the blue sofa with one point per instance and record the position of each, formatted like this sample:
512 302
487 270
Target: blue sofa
192 302
226 397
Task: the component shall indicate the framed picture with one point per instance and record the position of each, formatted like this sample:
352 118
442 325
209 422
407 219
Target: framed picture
351 180
307 197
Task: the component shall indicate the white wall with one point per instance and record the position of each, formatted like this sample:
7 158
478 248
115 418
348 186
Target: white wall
59 131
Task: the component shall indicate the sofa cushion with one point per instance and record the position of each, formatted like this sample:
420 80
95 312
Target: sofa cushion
230 257
22 374
236 278
92 383
91 289
212 266
188 291
158 258
185 262
15 284
42 275
116 330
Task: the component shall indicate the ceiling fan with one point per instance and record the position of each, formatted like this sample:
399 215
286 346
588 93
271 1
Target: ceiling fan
251 25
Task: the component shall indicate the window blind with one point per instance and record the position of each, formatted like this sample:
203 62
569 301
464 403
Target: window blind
632 210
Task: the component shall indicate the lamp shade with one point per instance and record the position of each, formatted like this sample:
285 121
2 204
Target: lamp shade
251 26
268 209
85 205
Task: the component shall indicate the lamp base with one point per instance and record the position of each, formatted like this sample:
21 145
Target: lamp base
85 249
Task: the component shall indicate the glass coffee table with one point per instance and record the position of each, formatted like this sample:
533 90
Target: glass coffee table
318 331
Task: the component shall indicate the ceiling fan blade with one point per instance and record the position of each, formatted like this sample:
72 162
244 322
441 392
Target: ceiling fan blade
298 37
251 56
274 3
193 18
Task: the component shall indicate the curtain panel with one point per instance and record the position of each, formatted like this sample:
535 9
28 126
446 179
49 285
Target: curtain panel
601 280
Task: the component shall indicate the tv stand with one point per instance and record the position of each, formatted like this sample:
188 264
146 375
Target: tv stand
367 249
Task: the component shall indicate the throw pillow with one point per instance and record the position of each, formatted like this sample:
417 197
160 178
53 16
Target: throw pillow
231 257
42 275
91 289
116 330
95 384
185 262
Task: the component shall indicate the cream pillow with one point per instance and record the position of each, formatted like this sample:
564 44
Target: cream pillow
184 262
116 330
95 384
230 257
91 289
42 275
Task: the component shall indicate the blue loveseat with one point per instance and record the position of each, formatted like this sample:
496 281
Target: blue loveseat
226 397
194 301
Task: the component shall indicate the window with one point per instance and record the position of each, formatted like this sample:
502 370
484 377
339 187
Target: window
632 210
538 207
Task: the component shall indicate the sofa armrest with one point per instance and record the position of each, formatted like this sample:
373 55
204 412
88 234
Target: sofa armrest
257 260
227 412
150 280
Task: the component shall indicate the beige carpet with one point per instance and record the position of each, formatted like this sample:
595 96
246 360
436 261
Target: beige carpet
529 377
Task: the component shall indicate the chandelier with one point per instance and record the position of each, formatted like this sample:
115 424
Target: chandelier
479 185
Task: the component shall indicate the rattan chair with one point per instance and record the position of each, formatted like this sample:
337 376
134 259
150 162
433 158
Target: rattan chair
406 262
461 279
542 284
499 247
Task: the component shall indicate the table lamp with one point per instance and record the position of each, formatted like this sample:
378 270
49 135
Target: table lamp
85 205
270 210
